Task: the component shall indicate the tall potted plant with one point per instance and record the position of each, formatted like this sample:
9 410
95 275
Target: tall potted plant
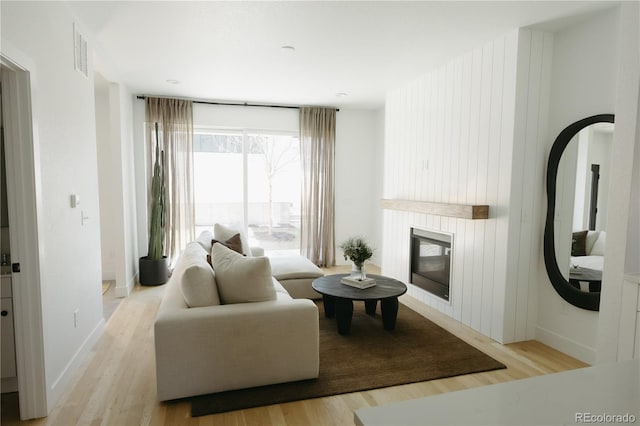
153 267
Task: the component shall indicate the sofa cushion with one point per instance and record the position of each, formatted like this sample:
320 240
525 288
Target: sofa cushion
294 267
234 243
589 262
197 278
223 233
204 239
242 279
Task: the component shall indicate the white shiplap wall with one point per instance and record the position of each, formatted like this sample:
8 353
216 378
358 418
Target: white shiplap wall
468 132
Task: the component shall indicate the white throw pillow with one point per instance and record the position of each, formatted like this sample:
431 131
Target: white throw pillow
592 237
599 245
197 279
223 233
204 239
242 279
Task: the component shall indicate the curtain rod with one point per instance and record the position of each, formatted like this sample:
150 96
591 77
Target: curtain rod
243 104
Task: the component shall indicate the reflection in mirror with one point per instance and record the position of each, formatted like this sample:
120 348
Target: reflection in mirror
577 192
581 206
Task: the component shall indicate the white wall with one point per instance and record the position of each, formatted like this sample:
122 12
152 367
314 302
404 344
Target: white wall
128 183
593 147
583 180
140 173
64 116
566 205
357 137
620 236
124 209
239 117
115 169
467 133
583 77
632 265
378 226
107 194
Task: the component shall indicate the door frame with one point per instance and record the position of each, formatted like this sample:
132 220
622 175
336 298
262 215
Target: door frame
25 216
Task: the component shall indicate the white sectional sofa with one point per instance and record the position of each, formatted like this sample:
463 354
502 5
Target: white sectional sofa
294 272
213 347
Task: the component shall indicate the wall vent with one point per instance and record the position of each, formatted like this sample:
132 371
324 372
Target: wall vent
80 60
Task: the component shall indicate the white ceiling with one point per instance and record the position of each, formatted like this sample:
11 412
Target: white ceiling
231 51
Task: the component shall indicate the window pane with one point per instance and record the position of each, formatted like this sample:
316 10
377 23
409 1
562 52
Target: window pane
274 182
217 177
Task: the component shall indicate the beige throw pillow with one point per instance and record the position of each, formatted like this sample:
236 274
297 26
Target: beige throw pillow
592 236
242 279
599 245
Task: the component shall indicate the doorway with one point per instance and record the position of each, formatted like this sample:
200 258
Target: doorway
22 210
9 380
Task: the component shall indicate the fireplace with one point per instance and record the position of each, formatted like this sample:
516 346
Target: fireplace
431 261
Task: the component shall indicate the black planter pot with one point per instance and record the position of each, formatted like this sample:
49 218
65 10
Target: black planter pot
153 272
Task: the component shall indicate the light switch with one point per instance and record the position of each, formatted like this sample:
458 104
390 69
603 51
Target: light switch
75 200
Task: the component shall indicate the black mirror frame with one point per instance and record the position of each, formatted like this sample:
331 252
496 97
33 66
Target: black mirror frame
585 300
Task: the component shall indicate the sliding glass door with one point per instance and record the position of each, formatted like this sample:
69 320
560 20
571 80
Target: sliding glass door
249 179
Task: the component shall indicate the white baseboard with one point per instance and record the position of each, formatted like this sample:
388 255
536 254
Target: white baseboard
125 291
566 345
60 384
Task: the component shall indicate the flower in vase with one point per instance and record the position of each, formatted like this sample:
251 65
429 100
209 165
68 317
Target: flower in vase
357 250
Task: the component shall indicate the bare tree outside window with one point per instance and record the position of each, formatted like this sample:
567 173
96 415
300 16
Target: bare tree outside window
279 154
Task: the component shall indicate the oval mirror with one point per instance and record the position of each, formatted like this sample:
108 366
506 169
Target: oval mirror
574 234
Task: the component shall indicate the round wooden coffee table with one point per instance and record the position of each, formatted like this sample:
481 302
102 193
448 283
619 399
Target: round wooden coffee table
338 299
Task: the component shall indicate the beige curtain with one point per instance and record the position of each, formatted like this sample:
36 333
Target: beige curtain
175 124
317 147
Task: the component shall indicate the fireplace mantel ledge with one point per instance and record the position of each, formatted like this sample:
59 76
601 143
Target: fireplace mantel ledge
463 211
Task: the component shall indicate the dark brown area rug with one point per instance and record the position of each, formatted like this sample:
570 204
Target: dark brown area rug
368 358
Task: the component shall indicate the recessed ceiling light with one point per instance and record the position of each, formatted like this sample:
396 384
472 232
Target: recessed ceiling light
288 48
171 81
341 95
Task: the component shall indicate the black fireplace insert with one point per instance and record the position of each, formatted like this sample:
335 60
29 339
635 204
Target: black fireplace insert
431 261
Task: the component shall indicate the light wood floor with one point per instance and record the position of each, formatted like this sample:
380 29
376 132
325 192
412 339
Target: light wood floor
116 384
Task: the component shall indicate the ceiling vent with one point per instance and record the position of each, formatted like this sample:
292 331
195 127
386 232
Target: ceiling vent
80 60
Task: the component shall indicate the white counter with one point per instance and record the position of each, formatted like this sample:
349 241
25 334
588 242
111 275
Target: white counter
553 399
